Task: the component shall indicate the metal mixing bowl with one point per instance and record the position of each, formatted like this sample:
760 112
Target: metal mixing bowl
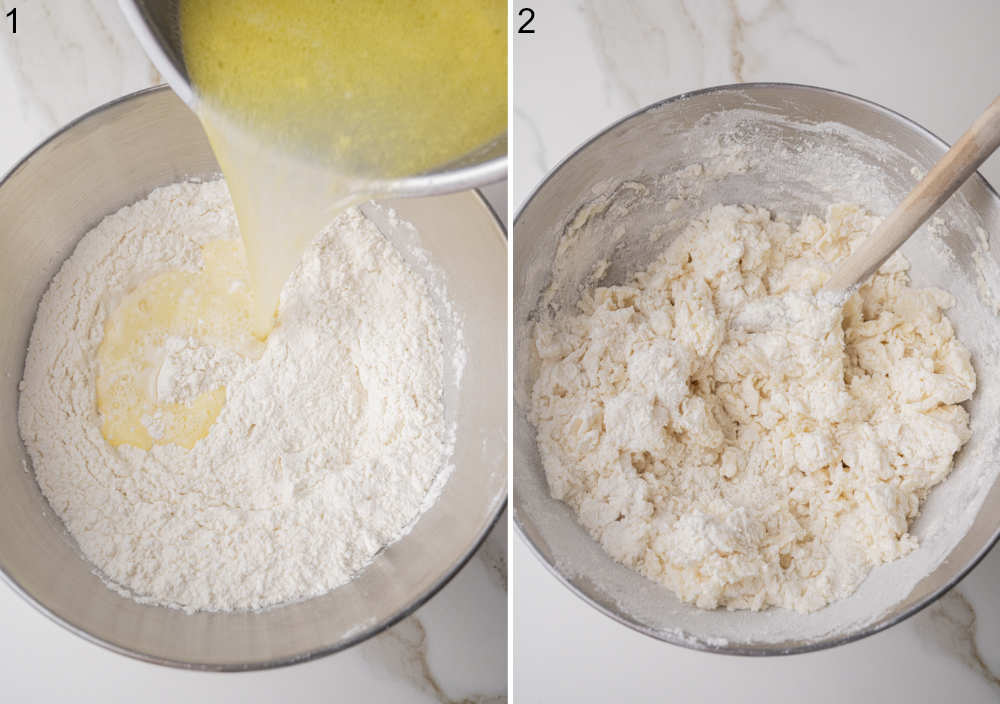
116 155
155 24
793 149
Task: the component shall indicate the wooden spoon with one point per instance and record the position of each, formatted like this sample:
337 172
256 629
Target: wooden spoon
948 174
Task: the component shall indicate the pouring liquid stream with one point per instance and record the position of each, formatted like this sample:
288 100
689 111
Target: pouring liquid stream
311 106
281 202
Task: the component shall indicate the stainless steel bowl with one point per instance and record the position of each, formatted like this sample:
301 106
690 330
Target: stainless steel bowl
802 149
114 156
155 24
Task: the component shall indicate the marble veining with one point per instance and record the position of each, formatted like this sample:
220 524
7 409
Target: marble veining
403 651
951 623
69 57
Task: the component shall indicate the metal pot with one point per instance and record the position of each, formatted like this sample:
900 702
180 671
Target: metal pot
155 24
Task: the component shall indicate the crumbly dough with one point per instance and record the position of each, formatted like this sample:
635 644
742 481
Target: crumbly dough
724 431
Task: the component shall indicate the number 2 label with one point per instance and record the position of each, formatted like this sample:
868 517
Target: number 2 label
523 29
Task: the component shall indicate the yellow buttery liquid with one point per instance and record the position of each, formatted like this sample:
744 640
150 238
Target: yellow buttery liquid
308 104
211 305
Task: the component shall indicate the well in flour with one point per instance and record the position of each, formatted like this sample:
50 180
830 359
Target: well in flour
722 430
329 443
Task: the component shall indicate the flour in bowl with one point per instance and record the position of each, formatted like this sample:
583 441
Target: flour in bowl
724 431
308 452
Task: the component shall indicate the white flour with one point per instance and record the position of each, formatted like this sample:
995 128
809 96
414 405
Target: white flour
326 450
190 368
723 431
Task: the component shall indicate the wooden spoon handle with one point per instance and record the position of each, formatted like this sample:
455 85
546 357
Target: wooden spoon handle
948 174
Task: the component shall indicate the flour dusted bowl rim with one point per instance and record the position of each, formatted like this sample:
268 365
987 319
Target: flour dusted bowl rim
658 137
114 156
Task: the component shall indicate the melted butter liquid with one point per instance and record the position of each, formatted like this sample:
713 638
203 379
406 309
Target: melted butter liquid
378 89
281 204
308 105
212 305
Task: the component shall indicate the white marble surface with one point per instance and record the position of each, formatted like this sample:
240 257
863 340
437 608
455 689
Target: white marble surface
70 56
592 62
